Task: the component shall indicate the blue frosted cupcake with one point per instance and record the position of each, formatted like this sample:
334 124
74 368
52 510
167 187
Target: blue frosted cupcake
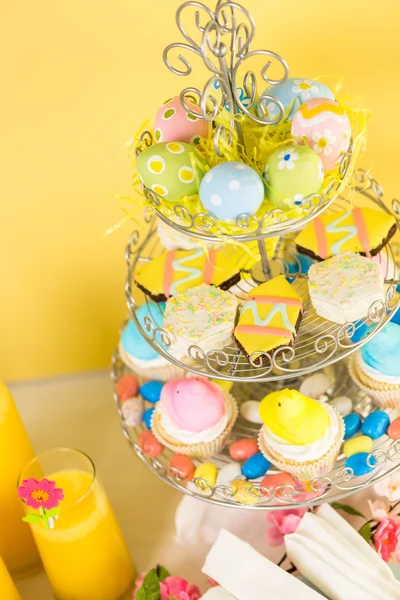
376 367
136 352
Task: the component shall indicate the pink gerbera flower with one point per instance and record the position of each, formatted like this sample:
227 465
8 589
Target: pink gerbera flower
40 494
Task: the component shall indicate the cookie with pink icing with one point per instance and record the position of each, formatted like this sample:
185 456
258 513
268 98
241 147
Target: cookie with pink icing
194 417
174 124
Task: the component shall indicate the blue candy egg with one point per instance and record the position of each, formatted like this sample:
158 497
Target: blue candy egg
230 189
132 341
294 90
147 417
255 466
151 391
352 425
376 424
360 463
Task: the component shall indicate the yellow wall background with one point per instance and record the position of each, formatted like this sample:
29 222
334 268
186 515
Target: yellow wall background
78 78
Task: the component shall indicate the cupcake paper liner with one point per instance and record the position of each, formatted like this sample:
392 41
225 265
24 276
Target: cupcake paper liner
201 450
385 395
162 373
305 471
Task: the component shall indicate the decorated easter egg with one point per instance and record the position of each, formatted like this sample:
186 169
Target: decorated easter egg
231 189
147 416
394 429
243 449
127 387
151 391
171 169
206 473
293 92
327 128
352 424
376 424
291 174
228 473
279 484
149 443
174 124
255 466
250 411
361 463
360 443
132 411
182 466
343 405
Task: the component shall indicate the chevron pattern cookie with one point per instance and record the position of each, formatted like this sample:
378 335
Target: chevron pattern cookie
270 317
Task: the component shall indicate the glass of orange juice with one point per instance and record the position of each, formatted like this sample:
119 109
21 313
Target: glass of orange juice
82 548
7 587
17 547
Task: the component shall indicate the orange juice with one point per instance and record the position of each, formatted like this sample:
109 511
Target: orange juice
84 555
16 543
7 587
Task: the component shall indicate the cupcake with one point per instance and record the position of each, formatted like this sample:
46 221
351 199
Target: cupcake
194 417
136 352
376 367
300 436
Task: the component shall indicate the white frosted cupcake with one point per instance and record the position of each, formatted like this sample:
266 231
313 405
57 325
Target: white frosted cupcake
136 352
300 436
203 316
194 417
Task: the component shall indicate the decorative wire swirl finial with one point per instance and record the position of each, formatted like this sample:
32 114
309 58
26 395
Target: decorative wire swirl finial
224 39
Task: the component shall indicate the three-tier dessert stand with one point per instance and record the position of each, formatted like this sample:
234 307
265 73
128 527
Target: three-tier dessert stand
224 47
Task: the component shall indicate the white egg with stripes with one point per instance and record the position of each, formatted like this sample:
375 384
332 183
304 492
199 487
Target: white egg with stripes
231 189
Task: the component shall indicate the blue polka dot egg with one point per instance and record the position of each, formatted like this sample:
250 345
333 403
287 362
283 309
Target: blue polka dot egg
294 91
231 189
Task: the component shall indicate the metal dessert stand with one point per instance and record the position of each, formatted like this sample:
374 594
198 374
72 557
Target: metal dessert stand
225 37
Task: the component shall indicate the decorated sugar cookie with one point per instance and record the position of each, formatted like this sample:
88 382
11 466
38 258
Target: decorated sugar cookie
171 169
174 124
327 128
270 317
178 270
361 230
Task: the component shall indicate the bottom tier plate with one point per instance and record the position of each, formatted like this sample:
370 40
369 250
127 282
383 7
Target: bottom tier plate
339 483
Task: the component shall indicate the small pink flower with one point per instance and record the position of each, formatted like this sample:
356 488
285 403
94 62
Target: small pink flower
283 522
379 509
386 538
389 487
38 494
173 588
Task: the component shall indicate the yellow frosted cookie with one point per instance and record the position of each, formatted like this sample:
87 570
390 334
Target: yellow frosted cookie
178 270
361 230
269 318
293 417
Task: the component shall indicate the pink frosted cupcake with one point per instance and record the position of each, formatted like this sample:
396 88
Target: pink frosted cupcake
194 417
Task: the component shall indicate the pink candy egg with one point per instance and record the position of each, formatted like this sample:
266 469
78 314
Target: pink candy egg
183 465
174 124
327 128
394 429
243 449
150 444
127 387
270 482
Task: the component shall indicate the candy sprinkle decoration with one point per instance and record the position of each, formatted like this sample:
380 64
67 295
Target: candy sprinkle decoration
43 496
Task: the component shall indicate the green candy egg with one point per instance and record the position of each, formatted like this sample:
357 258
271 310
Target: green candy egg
168 170
291 174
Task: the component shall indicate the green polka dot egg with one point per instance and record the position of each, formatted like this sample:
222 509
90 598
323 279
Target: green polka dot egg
171 169
291 174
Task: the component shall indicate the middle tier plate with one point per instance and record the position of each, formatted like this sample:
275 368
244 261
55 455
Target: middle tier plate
318 342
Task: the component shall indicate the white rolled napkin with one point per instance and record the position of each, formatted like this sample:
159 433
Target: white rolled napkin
336 559
248 575
217 593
